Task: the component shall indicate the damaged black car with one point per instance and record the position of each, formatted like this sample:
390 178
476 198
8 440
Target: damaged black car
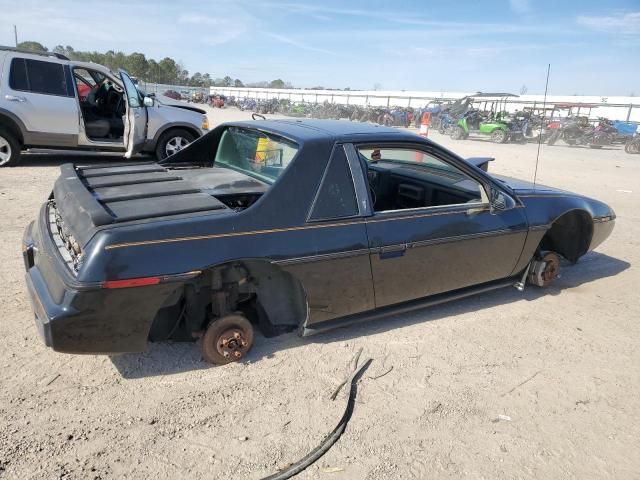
282 225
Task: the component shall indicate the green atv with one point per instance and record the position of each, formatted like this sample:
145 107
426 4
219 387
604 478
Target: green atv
474 122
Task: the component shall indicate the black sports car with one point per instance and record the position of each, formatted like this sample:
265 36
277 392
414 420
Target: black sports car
283 225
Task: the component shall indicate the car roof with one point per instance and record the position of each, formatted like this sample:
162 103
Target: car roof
340 130
4 50
57 58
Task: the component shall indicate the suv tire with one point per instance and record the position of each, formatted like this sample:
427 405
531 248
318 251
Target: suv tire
9 149
172 141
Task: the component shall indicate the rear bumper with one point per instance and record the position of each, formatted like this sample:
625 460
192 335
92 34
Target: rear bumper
77 317
47 310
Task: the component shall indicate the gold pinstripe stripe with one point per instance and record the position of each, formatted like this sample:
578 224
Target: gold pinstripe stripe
272 230
224 235
554 195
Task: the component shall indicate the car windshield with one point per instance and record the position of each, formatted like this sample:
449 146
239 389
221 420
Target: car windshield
255 153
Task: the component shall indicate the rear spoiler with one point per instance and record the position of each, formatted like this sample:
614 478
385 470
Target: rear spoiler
481 162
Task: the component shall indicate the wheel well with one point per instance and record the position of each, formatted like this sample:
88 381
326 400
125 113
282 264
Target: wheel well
11 127
262 291
569 235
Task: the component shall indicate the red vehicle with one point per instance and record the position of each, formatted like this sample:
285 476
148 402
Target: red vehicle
83 90
172 94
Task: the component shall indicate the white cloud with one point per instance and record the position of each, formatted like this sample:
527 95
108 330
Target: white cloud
216 30
521 7
146 27
412 20
621 23
194 19
297 43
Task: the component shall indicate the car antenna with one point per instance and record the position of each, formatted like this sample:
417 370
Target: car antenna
544 111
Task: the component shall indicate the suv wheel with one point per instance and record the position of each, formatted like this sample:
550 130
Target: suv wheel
9 150
172 142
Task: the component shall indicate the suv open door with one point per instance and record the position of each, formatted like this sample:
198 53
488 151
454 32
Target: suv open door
135 124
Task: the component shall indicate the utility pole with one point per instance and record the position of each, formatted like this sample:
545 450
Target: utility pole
15 34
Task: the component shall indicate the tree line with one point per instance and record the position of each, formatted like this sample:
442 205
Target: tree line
149 70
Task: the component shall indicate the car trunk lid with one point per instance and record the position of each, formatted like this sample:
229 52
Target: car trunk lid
91 197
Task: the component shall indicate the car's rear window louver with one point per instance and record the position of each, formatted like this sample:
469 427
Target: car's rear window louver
142 190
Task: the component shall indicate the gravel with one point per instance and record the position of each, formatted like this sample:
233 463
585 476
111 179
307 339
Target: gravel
441 412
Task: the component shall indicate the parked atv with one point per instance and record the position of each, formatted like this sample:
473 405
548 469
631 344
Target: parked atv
621 132
475 122
578 132
519 124
446 122
633 145
540 128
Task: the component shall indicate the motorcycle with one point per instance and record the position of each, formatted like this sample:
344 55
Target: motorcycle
633 145
578 132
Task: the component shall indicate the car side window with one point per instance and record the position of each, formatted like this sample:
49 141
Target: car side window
38 76
18 75
133 96
336 197
405 178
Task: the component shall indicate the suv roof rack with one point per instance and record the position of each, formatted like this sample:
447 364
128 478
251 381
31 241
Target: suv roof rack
29 52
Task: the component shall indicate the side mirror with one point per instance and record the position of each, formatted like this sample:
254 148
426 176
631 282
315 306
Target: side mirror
148 102
500 201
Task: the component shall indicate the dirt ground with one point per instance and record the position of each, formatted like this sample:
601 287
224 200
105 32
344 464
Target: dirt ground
560 366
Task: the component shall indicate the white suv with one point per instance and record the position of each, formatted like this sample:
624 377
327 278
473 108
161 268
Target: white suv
49 101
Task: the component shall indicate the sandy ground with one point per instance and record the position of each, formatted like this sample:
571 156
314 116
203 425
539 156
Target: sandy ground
562 364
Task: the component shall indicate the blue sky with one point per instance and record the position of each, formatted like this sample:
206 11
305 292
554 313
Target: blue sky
593 46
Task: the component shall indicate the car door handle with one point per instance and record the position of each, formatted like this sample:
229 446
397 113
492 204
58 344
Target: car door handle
13 98
392 251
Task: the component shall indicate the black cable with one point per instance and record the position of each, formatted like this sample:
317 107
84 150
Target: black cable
333 437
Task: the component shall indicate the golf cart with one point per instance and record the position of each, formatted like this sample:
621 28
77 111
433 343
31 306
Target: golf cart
491 119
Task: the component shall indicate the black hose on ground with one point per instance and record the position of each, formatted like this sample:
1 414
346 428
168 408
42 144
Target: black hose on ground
333 437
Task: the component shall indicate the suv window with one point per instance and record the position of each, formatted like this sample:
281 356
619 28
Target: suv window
337 196
84 76
38 77
18 75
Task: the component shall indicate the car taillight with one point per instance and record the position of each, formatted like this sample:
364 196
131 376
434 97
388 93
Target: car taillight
131 282
145 281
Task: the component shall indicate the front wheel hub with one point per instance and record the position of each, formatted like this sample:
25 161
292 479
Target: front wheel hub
175 144
545 270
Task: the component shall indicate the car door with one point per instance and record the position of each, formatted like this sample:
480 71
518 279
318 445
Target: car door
337 276
135 122
41 94
430 242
